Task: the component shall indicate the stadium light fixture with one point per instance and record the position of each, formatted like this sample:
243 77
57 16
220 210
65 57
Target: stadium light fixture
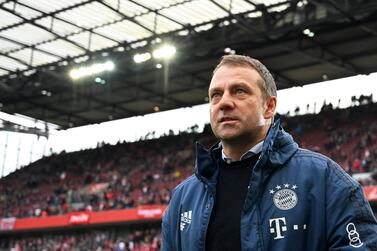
229 51
166 51
142 57
308 33
91 70
100 80
46 93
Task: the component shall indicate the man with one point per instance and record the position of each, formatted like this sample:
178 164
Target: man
256 190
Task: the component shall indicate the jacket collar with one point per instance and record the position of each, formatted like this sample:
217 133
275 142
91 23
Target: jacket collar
278 148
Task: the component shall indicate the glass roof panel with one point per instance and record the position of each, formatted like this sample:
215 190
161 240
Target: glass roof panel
162 24
166 25
32 33
81 39
7 46
113 20
90 15
25 54
236 6
279 8
61 48
2 72
49 6
126 7
96 43
157 4
267 2
124 31
39 58
195 12
212 10
8 19
60 27
25 12
11 64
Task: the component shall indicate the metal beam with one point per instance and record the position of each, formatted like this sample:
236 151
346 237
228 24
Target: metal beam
44 28
15 59
63 79
248 28
32 20
344 63
44 107
24 46
158 13
350 17
132 19
286 28
6 69
129 85
53 15
13 127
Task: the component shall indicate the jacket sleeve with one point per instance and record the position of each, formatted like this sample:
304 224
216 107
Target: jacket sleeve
166 232
351 225
169 223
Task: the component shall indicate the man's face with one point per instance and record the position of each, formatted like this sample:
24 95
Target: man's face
236 104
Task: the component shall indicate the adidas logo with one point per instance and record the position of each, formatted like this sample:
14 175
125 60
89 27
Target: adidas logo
185 219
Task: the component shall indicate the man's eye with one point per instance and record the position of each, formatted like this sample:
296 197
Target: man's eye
240 91
215 95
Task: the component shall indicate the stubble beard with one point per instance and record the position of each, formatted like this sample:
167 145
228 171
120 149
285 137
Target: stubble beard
246 137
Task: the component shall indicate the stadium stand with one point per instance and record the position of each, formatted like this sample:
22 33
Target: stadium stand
98 239
131 175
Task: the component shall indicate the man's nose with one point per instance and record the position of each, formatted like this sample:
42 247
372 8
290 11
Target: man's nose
226 101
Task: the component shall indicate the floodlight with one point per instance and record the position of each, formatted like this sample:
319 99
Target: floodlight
306 31
165 51
46 93
142 57
226 23
91 70
227 50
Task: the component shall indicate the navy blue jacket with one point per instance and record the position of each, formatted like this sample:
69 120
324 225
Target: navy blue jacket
297 200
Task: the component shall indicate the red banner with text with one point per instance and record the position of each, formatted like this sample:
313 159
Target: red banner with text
141 213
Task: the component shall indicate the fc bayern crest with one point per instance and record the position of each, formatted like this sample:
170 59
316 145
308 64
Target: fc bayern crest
285 197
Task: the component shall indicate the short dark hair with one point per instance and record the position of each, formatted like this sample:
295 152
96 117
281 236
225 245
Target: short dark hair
268 85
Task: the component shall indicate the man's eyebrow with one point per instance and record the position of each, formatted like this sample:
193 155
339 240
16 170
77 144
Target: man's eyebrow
214 89
240 84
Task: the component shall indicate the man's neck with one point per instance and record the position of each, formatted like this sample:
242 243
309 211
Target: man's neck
236 147
236 151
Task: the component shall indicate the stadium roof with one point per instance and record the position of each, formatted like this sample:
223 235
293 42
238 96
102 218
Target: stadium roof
301 42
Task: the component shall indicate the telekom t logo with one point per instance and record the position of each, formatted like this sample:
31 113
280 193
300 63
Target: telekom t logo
277 227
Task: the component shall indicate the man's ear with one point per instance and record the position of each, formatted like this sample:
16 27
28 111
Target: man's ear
270 107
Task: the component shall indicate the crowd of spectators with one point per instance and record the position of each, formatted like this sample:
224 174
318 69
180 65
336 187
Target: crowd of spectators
130 174
110 177
87 240
126 175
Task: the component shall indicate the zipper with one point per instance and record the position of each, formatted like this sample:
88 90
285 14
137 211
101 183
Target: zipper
209 206
257 196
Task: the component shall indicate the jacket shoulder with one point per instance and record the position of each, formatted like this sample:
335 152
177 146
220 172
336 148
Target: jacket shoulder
191 181
334 172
